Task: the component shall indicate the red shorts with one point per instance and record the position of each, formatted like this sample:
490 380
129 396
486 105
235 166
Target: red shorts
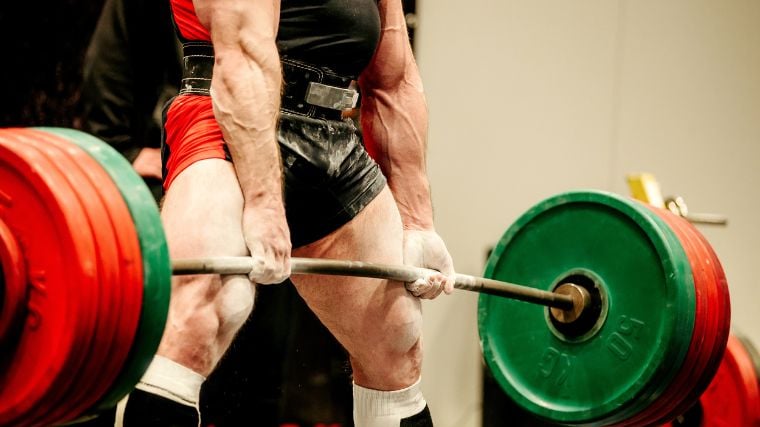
192 134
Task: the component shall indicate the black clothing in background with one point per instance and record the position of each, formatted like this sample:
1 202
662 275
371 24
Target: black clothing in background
43 47
132 66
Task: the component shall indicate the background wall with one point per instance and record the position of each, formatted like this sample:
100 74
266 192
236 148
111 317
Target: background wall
529 98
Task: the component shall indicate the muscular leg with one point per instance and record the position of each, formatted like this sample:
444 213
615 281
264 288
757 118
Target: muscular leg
202 218
202 215
377 321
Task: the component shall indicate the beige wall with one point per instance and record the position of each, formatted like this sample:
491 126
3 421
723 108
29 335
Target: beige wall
533 97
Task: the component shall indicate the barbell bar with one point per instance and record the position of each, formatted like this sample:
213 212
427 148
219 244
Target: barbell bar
334 267
678 206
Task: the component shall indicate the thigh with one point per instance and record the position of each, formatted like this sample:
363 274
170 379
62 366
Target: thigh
202 216
372 318
202 212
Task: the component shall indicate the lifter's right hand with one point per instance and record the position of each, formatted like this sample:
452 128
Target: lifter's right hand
268 239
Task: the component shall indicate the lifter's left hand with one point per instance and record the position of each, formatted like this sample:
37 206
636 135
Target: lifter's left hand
425 248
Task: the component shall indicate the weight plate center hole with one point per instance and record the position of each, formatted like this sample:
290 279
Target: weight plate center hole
588 313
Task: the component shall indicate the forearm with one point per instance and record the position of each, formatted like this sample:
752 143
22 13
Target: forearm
394 121
245 92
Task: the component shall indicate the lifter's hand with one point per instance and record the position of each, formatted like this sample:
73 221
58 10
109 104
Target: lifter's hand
424 248
268 240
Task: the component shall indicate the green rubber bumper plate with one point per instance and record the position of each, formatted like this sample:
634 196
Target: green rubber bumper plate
155 258
614 365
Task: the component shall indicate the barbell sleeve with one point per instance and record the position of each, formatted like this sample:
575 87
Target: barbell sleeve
402 273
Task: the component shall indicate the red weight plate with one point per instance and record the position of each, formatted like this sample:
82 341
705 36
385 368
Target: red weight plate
691 364
724 317
716 328
720 323
732 399
126 287
13 285
65 393
76 358
41 209
121 287
751 350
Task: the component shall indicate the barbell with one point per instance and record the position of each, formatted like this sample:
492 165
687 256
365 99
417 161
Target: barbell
636 318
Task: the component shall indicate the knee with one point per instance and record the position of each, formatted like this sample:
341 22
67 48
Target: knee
234 304
404 342
211 308
394 361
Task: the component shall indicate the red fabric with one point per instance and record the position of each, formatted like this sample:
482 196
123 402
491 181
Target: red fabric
187 23
192 134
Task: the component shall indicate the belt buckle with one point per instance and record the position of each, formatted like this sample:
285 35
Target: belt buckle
332 97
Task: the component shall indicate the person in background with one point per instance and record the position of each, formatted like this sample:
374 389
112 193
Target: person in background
131 68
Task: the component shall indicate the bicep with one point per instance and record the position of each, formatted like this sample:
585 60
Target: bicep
393 61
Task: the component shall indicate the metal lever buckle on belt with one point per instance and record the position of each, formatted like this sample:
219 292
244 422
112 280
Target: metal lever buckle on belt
330 96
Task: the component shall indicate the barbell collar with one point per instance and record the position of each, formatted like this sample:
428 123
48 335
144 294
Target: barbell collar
245 265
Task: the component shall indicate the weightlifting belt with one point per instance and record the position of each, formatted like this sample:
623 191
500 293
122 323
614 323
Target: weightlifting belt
307 90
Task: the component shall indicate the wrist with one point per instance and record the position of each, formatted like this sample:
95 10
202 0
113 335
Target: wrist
271 207
415 206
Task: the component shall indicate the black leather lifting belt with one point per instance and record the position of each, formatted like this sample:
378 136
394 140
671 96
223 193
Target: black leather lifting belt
307 90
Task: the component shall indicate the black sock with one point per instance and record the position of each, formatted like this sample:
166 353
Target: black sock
421 419
150 410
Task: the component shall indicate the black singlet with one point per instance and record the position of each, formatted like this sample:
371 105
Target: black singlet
337 34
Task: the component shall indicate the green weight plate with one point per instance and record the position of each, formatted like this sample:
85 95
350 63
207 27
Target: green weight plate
647 403
681 392
611 367
155 255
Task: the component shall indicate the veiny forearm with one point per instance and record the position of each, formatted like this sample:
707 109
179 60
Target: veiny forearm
245 91
394 120
246 94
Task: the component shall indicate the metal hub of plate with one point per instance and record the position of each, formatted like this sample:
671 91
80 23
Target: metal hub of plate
589 309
